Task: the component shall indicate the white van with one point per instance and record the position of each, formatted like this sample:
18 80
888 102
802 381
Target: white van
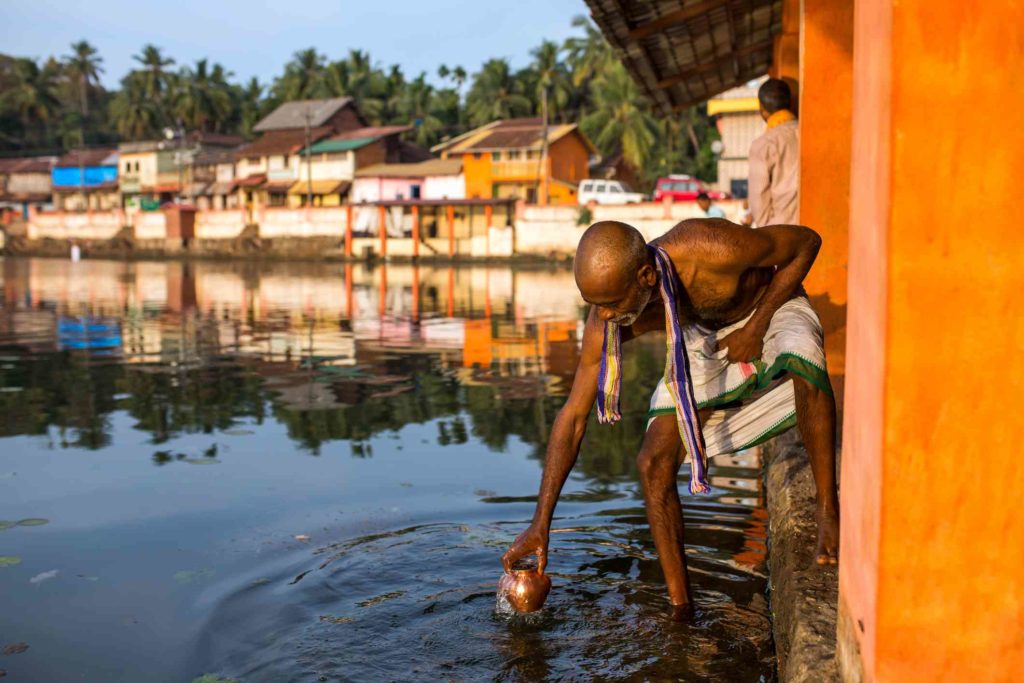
606 192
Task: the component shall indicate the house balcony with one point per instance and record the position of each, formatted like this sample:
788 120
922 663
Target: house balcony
516 169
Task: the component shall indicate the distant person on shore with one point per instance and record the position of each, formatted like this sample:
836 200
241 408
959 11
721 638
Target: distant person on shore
775 160
746 215
709 209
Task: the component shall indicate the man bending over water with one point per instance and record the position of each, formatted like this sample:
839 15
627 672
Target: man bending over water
755 352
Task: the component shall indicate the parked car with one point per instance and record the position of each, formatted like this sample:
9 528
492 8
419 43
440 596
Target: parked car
683 188
607 192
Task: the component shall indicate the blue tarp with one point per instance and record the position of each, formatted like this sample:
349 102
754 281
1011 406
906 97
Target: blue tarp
94 175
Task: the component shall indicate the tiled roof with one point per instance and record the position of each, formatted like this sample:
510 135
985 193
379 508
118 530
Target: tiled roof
431 167
293 114
509 134
280 142
27 164
88 157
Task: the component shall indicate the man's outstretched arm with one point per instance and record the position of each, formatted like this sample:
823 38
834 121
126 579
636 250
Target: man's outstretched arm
563 446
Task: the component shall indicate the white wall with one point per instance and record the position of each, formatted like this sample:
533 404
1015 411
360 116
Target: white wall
150 225
444 187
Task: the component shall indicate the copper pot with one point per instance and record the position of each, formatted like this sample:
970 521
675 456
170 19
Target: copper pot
525 587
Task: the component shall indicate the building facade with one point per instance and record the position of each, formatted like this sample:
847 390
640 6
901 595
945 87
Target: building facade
503 160
86 180
739 122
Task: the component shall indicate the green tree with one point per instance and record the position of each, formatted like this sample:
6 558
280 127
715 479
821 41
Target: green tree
156 79
33 98
83 67
303 77
495 94
202 101
417 106
620 120
135 114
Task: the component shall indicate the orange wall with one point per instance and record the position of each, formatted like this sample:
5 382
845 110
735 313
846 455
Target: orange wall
786 48
478 175
826 90
933 533
570 158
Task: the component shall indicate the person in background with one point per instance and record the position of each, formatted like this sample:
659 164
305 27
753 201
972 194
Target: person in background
709 209
746 215
775 159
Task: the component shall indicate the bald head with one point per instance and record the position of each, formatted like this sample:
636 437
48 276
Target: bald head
609 253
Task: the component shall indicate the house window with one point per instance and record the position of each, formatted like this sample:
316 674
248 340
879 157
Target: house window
476 155
531 195
127 166
414 191
496 156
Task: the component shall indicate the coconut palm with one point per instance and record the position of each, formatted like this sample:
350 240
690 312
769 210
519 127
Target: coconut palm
620 120
302 78
83 67
495 94
136 115
248 105
33 97
552 77
201 102
156 80
417 106
355 77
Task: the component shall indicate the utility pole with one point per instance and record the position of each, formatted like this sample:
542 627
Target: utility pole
309 163
544 144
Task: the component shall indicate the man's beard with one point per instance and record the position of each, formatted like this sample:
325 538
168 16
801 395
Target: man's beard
630 318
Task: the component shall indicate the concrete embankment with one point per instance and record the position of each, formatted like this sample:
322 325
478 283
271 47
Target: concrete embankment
804 595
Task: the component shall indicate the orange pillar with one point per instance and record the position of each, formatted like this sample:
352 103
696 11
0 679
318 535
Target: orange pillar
451 292
348 231
415 292
488 215
382 307
826 92
415 231
451 231
931 587
786 50
348 291
382 222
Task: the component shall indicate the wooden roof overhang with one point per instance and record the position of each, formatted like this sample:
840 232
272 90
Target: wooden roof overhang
683 52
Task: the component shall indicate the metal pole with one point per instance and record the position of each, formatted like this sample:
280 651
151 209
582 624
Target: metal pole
309 163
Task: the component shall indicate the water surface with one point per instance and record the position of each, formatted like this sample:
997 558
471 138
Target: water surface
300 472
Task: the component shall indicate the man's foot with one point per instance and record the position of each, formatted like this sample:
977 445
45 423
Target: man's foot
827 551
683 612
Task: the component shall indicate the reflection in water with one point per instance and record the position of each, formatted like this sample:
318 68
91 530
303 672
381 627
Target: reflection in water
427 393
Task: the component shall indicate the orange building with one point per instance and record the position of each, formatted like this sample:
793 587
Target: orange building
503 159
911 151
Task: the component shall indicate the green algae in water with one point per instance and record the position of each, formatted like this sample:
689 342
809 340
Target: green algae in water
33 521
9 560
6 524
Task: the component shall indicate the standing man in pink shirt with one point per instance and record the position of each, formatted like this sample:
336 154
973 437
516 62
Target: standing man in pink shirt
774 180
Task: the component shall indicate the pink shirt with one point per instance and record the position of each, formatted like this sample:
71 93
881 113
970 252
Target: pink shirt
774 180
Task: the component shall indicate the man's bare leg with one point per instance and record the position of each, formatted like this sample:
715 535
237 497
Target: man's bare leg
816 416
658 462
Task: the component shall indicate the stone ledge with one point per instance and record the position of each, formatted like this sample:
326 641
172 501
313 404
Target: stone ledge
803 595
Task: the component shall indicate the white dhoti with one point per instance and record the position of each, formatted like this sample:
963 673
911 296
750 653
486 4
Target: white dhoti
751 402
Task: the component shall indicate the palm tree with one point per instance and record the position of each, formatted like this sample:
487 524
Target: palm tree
135 114
552 76
417 106
620 120
157 78
586 56
83 66
202 103
248 105
495 94
355 77
33 96
303 77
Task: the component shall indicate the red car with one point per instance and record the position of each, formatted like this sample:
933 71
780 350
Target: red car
683 188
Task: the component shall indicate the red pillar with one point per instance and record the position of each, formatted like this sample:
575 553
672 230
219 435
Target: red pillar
348 231
415 232
451 231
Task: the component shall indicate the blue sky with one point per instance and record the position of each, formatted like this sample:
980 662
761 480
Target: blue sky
256 38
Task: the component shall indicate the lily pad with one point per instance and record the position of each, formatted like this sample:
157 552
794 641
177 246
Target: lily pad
186 576
9 560
33 521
